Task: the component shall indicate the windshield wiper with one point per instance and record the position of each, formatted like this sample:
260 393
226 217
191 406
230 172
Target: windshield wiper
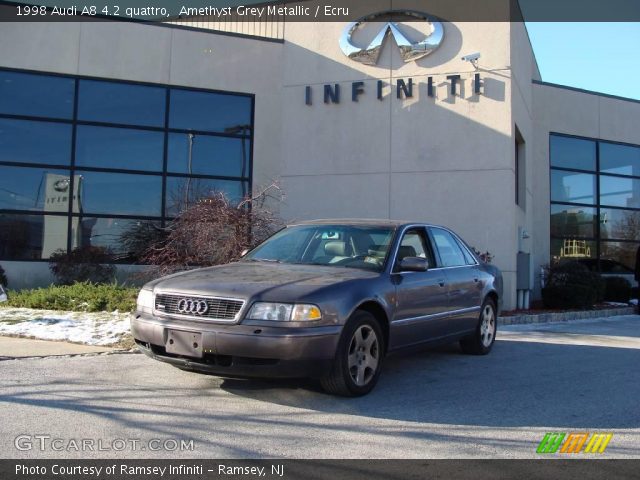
270 260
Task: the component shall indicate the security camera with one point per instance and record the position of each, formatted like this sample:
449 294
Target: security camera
472 57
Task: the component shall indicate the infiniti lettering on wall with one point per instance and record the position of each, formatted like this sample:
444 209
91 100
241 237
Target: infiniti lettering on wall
404 88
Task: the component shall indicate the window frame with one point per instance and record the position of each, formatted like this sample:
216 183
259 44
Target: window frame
597 239
68 116
73 169
428 247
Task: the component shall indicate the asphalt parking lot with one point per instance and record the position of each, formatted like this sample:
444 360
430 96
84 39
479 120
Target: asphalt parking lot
578 376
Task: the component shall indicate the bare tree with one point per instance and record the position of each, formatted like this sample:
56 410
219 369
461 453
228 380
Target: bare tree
627 227
214 230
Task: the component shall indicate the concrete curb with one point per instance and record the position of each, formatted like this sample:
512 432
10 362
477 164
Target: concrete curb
19 347
565 316
72 355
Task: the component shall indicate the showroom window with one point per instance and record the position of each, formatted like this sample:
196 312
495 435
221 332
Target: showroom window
595 199
92 162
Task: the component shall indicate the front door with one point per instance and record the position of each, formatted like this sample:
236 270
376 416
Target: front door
421 297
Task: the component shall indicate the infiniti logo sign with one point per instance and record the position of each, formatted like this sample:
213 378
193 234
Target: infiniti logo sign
61 185
408 51
195 307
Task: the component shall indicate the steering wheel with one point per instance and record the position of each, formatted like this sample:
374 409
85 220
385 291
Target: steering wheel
352 259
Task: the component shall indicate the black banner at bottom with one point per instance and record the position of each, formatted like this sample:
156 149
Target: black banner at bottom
584 469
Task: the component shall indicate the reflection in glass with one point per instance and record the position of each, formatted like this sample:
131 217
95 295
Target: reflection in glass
34 189
450 252
208 155
566 248
619 192
619 224
572 187
572 221
31 237
126 239
617 187
569 152
122 103
36 95
122 148
27 141
210 112
120 194
619 159
182 191
623 252
136 141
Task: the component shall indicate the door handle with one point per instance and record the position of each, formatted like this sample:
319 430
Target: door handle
441 282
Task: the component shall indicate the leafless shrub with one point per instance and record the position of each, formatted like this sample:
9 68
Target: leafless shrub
486 257
83 264
214 230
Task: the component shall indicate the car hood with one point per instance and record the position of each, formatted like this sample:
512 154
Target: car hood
268 281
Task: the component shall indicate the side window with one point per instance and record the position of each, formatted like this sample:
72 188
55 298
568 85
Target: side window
450 253
414 244
468 258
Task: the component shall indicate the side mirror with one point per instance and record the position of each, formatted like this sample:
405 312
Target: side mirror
244 252
414 264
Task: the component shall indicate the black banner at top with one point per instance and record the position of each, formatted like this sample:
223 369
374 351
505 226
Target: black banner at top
193 12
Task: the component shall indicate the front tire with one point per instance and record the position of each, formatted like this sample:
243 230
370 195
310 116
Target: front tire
358 359
482 340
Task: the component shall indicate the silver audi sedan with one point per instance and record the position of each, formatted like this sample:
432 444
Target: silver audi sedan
327 299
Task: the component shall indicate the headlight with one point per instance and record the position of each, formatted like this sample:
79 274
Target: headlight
302 313
145 300
284 312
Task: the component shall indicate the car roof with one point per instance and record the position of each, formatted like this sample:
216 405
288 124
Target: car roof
369 222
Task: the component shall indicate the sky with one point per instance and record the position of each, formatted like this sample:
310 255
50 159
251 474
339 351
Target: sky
604 57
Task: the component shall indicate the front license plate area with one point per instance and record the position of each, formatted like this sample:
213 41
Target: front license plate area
188 344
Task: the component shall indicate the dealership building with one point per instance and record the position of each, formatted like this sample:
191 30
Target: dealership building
109 125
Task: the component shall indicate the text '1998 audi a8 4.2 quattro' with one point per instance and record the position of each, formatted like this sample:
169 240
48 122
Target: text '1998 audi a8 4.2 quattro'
326 299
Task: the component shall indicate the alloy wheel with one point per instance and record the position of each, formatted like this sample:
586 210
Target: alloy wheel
488 326
364 355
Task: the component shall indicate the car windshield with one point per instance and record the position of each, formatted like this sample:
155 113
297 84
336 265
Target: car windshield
350 246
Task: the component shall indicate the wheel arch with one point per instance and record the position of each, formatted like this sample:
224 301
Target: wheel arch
378 311
493 295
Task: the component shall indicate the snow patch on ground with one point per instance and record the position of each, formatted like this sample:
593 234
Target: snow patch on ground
102 328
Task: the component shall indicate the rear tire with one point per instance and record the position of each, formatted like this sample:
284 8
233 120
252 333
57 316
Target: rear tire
482 340
358 359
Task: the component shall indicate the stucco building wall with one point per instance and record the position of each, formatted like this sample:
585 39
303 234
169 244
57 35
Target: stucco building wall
447 159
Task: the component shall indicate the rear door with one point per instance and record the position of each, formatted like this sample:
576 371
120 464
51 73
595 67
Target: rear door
463 275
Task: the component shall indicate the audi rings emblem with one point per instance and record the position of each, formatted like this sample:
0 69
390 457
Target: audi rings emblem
194 307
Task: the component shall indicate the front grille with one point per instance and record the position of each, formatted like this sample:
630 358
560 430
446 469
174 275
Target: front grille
218 308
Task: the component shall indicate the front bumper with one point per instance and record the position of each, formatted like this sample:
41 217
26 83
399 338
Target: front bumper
242 350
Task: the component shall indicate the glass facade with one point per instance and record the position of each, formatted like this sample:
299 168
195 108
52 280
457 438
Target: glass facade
595 200
89 162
